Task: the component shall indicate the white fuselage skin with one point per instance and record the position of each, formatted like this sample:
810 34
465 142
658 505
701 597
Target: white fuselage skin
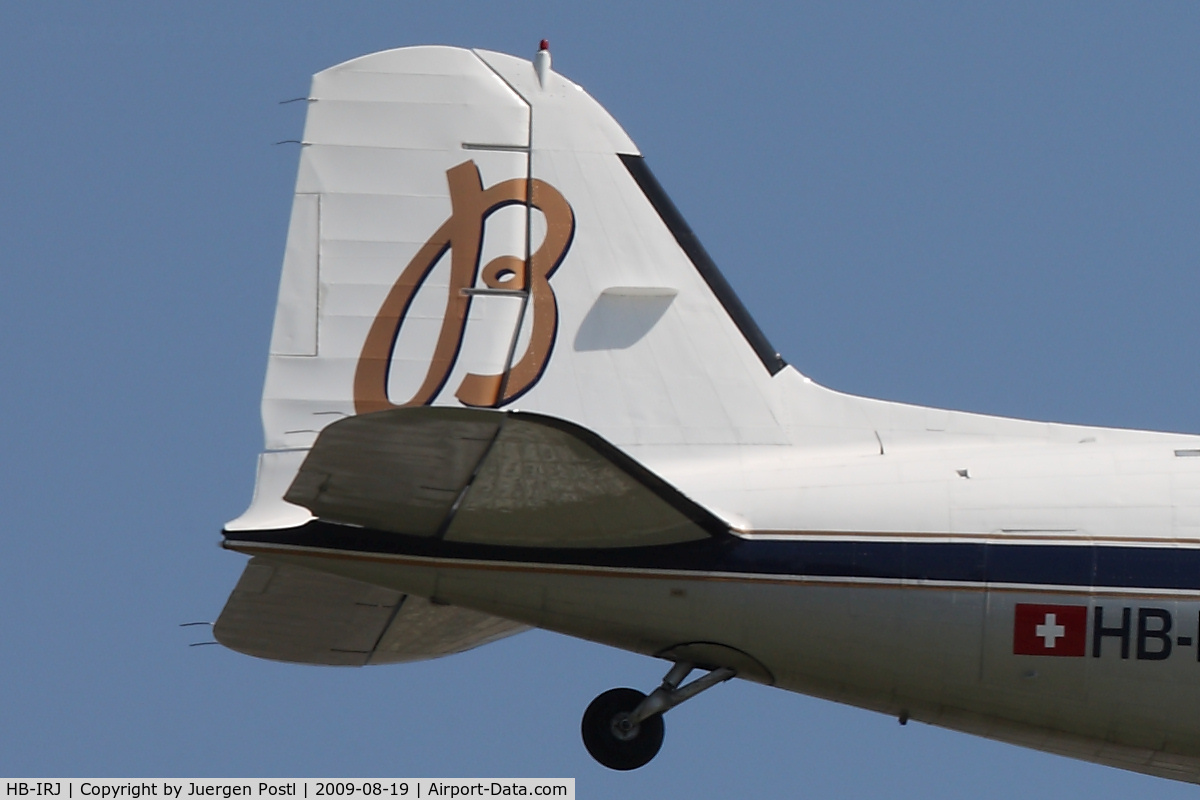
935 649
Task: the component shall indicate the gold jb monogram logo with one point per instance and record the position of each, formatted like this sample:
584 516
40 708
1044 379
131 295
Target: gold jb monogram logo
462 235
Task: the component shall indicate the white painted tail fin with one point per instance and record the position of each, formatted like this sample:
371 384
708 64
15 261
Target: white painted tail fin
471 231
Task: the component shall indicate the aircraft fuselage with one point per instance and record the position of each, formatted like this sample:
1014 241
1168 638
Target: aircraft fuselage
1046 592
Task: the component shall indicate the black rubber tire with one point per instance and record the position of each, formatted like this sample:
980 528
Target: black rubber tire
600 739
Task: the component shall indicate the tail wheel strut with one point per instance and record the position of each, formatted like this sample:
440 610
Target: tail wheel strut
623 728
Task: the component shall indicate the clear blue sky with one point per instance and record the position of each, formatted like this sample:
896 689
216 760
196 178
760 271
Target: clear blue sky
993 209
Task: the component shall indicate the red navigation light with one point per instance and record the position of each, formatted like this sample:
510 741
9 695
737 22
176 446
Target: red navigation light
544 45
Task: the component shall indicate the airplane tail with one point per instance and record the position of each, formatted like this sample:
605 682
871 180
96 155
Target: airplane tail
470 230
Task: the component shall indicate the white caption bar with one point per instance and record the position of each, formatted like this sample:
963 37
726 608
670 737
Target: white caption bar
301 788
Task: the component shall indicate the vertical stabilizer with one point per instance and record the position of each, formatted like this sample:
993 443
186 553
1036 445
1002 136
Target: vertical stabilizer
472 230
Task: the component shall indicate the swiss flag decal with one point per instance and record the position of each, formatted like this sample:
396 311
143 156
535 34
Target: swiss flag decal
1050 630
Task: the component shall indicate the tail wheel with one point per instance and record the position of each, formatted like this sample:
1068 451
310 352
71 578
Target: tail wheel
610 737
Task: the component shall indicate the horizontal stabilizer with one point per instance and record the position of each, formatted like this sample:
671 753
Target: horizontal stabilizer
489 477
289 613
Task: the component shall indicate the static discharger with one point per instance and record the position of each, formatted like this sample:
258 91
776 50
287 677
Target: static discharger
541 62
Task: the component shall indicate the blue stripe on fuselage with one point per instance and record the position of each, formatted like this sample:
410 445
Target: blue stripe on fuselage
1069 565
